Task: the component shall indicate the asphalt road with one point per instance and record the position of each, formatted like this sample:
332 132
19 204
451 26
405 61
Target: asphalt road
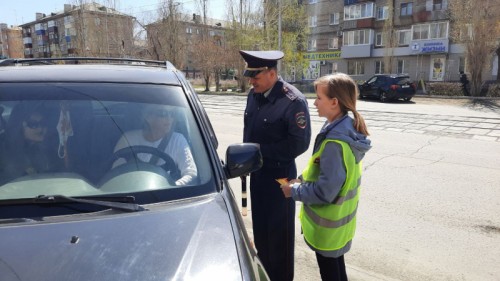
429 208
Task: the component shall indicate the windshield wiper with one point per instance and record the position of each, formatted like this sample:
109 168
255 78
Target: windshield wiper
110 202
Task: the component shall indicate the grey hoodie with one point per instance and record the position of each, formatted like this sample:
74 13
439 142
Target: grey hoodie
332 171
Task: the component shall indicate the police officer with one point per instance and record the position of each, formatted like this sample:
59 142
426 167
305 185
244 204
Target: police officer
276 117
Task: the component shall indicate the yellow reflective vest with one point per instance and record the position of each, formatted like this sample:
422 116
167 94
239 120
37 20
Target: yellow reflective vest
330 227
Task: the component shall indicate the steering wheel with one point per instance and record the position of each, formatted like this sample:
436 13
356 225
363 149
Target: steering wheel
130 153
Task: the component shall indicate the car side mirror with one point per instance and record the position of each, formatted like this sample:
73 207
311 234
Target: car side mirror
242 158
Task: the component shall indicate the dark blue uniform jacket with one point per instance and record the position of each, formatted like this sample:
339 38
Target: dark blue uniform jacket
279 123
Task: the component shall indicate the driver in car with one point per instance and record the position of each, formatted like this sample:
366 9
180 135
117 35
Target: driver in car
157 132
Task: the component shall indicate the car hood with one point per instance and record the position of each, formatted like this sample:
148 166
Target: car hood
177 241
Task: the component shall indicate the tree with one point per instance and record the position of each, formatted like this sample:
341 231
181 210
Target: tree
389 38
476 27
294 28
164 36
244 32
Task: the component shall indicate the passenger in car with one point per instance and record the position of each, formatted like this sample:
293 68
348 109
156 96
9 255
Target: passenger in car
158 132
25 148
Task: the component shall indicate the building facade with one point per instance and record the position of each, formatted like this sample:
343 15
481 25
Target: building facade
363 38
86 30
10 42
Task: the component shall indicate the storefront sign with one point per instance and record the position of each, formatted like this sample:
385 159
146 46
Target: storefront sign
437 46
434 47
335 55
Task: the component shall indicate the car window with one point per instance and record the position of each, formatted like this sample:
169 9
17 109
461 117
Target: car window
63 138
402 80
372 80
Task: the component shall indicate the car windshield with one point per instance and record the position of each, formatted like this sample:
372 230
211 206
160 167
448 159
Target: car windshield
100 139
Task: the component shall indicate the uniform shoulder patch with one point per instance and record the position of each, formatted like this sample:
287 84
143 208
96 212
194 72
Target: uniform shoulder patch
289 94
301 120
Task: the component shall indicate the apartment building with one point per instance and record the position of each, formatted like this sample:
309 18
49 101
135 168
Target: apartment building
10 42
83 30
363 38
176 39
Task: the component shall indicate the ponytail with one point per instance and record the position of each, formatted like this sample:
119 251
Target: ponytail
359 123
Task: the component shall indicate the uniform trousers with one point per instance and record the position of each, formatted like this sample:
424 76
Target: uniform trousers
273 220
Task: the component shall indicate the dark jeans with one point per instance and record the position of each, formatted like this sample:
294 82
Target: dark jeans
331 269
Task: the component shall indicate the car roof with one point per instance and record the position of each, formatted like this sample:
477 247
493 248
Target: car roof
401 75
101 70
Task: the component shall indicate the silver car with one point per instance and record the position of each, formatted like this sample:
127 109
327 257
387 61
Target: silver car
86 194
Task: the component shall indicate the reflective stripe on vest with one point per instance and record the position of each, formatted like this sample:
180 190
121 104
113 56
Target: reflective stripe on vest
330 227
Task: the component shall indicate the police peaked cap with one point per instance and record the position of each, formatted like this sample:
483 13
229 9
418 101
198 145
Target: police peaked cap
258 61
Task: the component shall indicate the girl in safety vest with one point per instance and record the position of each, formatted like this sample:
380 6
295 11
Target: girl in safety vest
329 186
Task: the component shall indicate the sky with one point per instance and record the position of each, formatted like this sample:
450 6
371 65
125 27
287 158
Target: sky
17 12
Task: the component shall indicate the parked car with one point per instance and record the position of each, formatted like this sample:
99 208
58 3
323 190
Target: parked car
388 87
68 212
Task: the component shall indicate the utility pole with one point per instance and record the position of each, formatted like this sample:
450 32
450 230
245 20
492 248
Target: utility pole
279 33
205 12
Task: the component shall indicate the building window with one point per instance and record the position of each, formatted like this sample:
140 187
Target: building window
313 21
211 33
379 39
466 32
311 45
407 9
430 31
189 30
313 1
355 68
437 5
404 37
333 43
462 65
360 11
334 18
401 66
357 37
379 67
68 19
333 67
439 30
382 13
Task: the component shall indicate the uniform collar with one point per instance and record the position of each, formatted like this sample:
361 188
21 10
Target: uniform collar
272 94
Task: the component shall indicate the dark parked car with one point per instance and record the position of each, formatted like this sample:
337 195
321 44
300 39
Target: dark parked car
69 212
388 87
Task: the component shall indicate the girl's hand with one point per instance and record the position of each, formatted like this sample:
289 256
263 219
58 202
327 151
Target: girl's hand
287 187
287 190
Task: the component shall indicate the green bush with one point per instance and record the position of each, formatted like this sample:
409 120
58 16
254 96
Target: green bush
449 89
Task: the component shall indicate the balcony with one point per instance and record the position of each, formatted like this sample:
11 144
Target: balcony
365 23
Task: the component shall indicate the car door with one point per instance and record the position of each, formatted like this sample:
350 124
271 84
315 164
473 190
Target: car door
372 86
